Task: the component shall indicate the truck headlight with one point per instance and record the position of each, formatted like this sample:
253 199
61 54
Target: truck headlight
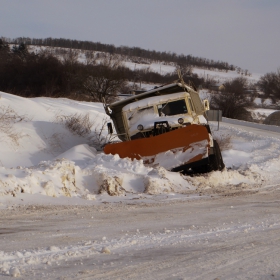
140 127
180 120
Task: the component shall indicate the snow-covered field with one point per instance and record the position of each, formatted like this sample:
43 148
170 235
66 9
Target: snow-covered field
68 211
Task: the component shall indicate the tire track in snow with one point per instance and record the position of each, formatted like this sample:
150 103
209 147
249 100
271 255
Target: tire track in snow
193 236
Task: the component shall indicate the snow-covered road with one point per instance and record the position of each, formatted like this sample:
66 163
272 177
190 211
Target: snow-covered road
232 237
259 129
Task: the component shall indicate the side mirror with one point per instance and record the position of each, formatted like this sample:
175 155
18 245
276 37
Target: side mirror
206 105
110 128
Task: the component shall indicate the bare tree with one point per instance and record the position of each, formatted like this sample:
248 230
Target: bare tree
106 81
4 53
90 58
70 57
233 100
270 85
20 50
185 69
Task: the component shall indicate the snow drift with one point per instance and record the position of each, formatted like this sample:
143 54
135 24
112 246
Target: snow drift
48 159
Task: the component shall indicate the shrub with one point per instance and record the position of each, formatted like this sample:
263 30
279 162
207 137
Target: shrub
78 124
95 134
8 117
100 137
270 85
233 100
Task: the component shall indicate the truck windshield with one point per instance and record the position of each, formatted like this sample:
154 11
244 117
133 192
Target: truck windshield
173 108
135 116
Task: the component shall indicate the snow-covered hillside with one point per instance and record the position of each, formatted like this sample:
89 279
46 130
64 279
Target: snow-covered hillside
158 67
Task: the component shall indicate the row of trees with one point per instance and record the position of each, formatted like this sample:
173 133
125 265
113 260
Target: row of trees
44 74
153 55
32 75
103 76
235 98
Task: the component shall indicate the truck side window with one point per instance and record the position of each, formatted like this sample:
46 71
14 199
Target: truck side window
173 108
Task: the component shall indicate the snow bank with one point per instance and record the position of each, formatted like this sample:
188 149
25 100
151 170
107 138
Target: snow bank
51 161
52 178
85 174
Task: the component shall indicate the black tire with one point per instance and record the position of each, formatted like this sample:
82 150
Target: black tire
215 162
216 159
202 169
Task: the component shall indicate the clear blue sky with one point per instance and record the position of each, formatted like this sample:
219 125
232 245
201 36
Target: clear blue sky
245 33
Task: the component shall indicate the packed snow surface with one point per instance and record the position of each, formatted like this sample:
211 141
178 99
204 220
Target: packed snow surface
69 210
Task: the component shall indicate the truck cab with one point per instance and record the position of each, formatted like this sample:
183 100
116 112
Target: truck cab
175 109
165 126
176 103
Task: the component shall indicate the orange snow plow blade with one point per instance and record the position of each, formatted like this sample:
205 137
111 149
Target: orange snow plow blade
187 144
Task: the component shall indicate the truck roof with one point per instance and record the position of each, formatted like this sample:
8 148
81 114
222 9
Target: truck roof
115 111
162 90
154 100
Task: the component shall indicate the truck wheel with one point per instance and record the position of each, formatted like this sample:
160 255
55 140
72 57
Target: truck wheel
216 160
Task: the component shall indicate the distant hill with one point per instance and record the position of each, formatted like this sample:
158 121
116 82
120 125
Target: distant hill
143 54
52 67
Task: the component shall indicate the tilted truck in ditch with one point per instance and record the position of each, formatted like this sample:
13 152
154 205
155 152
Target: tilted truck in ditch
166 126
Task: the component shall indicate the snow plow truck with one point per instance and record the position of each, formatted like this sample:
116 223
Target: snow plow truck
166 126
